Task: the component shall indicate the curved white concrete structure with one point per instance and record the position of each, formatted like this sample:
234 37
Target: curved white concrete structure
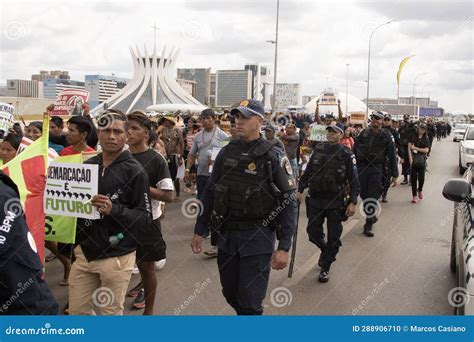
153 83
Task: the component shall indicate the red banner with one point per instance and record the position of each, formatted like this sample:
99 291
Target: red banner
70 102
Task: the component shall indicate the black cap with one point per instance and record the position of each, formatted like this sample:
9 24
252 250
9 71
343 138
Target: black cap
337 127
406 117
387 116
208 112
248 108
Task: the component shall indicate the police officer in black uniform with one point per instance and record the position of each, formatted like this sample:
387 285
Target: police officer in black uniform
387 124
372 148
23 290
331 176
251 197
407 132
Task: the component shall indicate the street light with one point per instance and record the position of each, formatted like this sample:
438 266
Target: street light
276 56
414 82
347 84
423 89
368 66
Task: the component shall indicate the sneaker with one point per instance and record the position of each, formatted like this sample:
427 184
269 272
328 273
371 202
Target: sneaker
323 276
135 270
413 199
405 181
211 252
160 264
139 302
134 292
420 195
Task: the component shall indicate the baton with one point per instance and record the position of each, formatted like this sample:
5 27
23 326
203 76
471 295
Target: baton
293 247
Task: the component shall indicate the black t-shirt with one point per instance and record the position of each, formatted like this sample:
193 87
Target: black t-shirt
422 142
155 166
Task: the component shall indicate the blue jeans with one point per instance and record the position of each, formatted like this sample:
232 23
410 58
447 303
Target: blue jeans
201 182
294 167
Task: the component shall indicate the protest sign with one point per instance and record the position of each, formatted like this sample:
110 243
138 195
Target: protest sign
6 116
69 102
69 188
318 133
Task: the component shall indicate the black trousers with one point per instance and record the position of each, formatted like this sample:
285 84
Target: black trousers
316 235
406 162
417 176
244 281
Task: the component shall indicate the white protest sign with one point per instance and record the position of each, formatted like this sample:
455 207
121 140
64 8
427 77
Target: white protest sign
6 116
69 188
318 133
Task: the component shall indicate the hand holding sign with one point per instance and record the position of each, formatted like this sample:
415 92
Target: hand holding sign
102 203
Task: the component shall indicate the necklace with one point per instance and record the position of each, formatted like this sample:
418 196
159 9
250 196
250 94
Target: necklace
204 143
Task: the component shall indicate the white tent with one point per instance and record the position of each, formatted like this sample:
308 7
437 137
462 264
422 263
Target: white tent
353 104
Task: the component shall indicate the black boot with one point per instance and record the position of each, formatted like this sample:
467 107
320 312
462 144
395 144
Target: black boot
368 227
405 180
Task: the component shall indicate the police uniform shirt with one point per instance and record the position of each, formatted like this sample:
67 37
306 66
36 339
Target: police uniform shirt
253 241
23 290
351 169
364 138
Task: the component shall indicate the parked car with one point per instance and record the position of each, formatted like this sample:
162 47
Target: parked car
462 243
466 149
459 131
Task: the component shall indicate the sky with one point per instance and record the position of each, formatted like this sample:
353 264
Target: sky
317 39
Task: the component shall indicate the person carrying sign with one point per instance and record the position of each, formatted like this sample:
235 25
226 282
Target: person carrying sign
105 248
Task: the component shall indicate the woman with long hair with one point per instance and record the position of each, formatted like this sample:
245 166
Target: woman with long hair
418 149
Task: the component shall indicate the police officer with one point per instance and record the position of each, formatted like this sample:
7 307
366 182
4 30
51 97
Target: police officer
331 176
372 148
407 132
23 290
252 195
387 124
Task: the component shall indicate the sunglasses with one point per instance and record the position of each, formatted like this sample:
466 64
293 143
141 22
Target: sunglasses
386 119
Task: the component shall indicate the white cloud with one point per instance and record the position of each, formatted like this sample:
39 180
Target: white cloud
317 39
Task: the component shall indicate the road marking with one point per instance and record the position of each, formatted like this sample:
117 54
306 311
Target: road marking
309 265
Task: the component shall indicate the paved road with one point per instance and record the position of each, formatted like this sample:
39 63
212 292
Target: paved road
403 270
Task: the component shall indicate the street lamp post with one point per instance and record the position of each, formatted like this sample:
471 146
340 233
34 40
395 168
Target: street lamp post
413 96
347 86
276 58
368 66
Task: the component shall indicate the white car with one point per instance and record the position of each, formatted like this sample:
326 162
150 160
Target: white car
466 149
459 131
461 263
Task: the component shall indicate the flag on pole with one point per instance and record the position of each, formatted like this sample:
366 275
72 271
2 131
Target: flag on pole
400 68
28 171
